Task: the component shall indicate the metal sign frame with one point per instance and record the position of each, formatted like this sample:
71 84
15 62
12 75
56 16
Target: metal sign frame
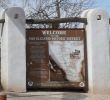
85 88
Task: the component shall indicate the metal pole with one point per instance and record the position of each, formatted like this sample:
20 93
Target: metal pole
57 20
3 97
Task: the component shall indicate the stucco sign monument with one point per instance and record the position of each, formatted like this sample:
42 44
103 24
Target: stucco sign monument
55 58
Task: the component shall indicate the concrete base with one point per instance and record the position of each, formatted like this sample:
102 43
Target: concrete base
56 96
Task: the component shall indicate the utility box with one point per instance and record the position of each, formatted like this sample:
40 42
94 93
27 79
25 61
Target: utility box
56 59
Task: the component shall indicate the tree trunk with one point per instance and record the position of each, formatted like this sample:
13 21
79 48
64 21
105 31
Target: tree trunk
58 8
56 25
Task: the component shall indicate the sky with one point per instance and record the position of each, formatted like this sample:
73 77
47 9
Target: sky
103 4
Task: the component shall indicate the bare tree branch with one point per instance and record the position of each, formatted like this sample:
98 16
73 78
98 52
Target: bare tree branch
52 9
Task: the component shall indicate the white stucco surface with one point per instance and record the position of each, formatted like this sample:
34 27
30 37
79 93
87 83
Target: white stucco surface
98 51
13 54
88 42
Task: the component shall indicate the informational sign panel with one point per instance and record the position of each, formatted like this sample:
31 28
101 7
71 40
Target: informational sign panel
56 59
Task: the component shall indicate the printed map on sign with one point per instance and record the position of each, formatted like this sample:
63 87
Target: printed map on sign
69 55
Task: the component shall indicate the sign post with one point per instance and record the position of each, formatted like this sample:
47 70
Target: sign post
2 97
